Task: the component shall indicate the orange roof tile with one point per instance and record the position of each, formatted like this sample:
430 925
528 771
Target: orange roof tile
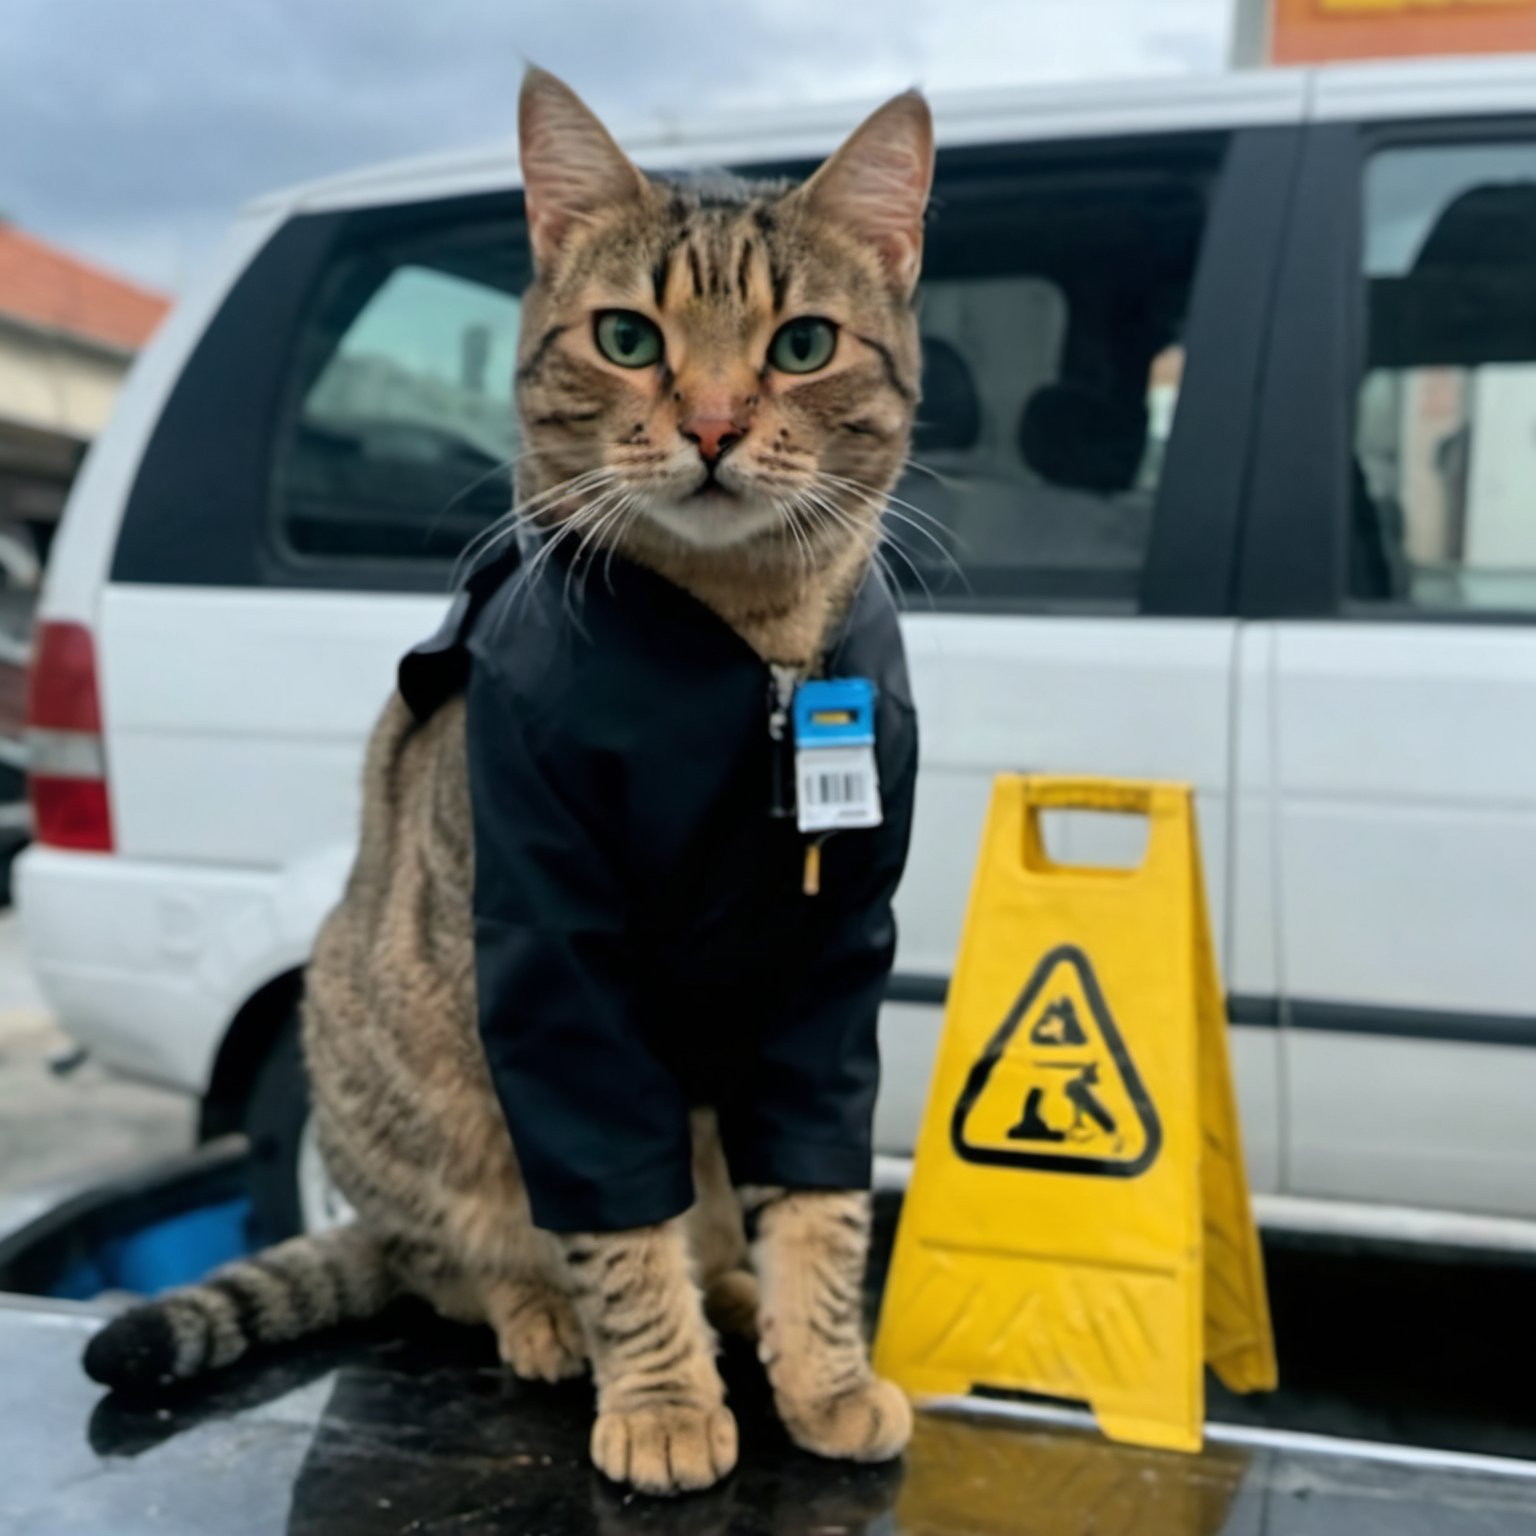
43 285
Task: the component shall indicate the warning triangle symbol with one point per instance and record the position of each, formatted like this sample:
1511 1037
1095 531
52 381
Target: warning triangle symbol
1055 1089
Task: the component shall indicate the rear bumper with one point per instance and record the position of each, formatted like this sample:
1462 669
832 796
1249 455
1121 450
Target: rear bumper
146 964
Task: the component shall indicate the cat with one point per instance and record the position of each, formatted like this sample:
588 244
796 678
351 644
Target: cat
762 337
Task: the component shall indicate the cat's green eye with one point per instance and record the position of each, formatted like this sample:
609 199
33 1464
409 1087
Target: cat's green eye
628 339
803 345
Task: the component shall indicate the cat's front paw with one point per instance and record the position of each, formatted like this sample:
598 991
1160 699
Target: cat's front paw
665 1450
869 1422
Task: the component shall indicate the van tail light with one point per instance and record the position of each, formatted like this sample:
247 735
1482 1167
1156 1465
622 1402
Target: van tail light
66 757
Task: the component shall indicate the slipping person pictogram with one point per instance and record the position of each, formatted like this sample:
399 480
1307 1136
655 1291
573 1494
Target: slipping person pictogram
1032 1126
1086 1105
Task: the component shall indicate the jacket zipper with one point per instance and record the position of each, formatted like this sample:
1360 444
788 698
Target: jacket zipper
781 695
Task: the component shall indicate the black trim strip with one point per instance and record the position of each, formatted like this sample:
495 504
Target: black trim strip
905 987
1192 556
933 991
1253 1012
1413 1023
1291 557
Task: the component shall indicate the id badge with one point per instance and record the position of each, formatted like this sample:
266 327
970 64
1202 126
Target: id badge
837 782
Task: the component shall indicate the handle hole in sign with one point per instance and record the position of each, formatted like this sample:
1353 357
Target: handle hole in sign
1098 842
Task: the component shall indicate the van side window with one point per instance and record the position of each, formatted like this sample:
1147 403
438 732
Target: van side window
1055 291
1445 432
398 437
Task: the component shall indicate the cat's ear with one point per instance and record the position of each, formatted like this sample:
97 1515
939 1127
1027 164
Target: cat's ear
572 169
877 184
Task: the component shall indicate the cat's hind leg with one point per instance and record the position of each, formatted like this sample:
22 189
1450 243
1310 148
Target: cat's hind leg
718 1237
514 1286
537 1331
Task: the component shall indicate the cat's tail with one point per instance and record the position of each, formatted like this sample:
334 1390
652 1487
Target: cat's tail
288 1292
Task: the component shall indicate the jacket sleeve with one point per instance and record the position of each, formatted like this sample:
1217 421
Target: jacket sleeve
599 1123
805 1119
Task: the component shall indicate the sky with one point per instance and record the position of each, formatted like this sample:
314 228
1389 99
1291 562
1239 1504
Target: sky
133 129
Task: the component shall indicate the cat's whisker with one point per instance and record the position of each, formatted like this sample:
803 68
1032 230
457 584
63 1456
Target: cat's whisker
890 507
878 555
553 539
504 467
822 518
896 515
632 510
569 485
828 514
572 526
896 548
510 521
613 505
927 469
863 488
806 552
786 532
866 534
528 574
791 528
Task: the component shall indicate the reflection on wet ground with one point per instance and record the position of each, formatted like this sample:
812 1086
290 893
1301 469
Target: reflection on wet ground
419 1431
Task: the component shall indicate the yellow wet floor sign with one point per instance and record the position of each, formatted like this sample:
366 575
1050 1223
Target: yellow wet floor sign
1078 1222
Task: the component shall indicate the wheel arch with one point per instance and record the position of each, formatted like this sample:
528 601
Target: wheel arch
250 1037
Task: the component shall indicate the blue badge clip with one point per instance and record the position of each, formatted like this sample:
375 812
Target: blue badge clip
835 712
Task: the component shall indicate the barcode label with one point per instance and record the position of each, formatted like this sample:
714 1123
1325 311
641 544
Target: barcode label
836 787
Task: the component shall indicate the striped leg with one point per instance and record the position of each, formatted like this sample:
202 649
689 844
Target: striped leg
810 1254
662 1423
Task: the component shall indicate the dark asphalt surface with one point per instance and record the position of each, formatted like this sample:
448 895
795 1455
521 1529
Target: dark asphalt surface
411 1426
417 1430
1436 1350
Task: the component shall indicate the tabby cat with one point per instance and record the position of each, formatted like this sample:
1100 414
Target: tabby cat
614 436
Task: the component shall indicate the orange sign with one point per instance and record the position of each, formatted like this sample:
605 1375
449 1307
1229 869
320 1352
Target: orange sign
1313 31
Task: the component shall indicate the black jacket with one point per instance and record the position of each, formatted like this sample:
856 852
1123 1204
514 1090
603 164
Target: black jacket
642 941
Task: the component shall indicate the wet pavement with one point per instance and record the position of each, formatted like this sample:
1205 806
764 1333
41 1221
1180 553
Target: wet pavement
415 1429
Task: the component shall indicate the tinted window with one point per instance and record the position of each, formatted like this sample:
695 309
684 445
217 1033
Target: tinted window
1445 438
397 436
1053 307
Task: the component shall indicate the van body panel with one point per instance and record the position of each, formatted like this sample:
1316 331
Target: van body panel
1368 829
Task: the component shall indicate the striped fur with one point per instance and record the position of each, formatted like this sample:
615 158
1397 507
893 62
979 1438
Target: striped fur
295 1289
718 265
810 1254
403 1103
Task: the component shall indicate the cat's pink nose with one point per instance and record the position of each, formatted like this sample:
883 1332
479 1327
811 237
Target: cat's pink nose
714 436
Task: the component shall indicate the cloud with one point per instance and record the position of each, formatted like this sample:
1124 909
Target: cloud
134 128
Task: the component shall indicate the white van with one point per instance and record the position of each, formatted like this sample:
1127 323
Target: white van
1230 409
